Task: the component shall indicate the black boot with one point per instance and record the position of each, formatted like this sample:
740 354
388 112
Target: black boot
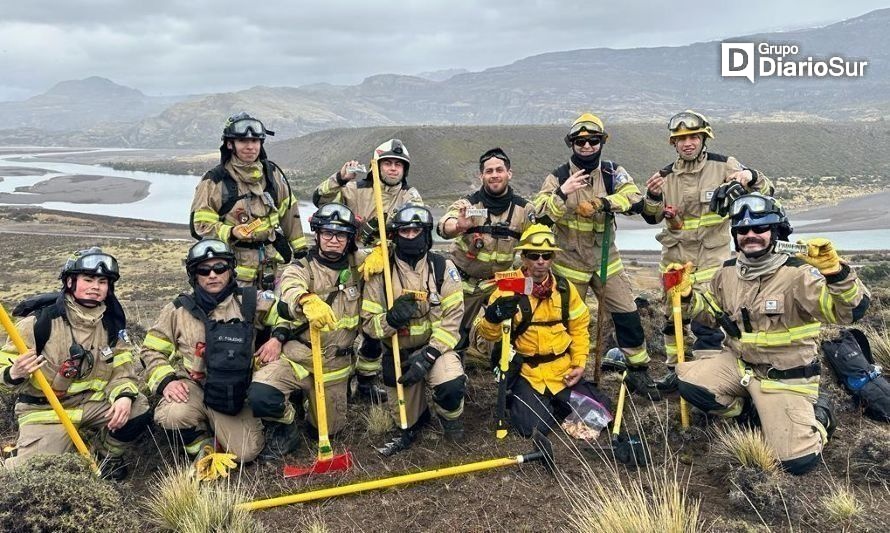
113 468
669 383
453 429
824 414
281 439
367 390
639 382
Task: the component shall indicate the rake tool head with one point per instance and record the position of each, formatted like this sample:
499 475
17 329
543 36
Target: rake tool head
338 463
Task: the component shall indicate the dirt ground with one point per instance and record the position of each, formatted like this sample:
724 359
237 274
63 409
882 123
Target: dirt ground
514 499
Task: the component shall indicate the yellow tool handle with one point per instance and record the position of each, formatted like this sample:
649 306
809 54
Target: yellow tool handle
504 366
379 483
676 308
619 409
39 378
387 281
325 453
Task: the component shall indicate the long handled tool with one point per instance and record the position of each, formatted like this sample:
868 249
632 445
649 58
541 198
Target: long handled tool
327 461
40 379
600 301
387 281
538 455
508 282
672 281
628 449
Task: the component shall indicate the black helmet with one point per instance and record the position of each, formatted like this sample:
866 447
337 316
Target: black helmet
755 209
208 249
335 217
91 261
244 126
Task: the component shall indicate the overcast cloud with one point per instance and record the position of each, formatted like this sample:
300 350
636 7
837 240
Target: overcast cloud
168 47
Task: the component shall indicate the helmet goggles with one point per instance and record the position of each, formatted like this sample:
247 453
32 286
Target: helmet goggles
334 217
207 249
586 129
100 264
687 120
413 216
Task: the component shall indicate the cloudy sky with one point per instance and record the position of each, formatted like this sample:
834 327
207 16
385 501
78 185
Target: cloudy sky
199 46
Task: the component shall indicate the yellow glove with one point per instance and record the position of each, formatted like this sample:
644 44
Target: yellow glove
318 312
214 465
822 255
685 285
589 208
373 264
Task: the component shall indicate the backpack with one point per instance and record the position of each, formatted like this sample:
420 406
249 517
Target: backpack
228 353
851 360
49 306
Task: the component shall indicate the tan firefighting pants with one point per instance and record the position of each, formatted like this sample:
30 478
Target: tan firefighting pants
478 350
787 418
240 434
446 368
47 436
286 378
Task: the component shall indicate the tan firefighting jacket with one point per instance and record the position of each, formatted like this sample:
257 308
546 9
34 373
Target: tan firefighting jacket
342 289
284 214
174 347
488 246
704 236
113 373
437 320
581 237
358 196
780 314
547 335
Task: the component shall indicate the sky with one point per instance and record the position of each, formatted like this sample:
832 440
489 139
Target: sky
166 47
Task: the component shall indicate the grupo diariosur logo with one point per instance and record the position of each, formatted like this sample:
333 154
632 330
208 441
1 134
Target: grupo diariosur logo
768 60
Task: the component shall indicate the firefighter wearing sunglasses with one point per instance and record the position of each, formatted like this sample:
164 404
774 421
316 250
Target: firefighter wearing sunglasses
199 356
486 226
580 197
246 201
771 306
696 227
79 341
550 337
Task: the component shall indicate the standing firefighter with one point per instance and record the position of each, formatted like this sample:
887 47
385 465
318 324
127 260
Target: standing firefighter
697 228
358 195
771 306
79 342
581 197
199 355
426 315
324 290
549 334
485 236
246 201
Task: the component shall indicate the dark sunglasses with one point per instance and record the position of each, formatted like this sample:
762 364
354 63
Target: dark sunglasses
581 142
534 256
205 270
756 229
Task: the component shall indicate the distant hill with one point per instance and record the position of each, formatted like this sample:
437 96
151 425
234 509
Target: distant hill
630 85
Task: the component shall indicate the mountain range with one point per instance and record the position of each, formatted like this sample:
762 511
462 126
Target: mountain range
626 85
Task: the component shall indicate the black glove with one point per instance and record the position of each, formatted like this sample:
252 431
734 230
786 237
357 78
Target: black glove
724 196
419 365
502 309
368 232
402 310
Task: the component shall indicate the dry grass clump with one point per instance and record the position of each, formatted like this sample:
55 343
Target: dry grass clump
747 447
378 419
880 344
763 492
657 500
841 504
183 504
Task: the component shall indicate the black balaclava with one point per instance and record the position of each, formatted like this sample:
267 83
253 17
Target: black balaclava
411 250
588 162
496 204
339 263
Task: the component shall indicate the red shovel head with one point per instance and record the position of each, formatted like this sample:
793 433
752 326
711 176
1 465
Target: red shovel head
515 285
337 463
671 279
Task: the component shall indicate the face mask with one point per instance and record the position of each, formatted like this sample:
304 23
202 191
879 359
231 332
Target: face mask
415 247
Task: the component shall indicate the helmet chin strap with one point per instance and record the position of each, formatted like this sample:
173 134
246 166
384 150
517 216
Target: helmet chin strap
89 303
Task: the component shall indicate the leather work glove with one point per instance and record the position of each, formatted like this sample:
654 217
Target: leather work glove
373 264
403 309
214 465
589 208
822 255
684 287
724 196
318 312
419 365
502 309
247 232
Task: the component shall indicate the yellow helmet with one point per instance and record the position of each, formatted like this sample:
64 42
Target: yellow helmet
539 238
688 123
587 125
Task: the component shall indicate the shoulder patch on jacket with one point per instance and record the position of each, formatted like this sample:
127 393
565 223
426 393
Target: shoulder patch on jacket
717 157
730 262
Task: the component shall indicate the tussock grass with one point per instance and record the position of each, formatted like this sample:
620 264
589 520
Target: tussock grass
378 419
841 504
747 447
880 345
182 504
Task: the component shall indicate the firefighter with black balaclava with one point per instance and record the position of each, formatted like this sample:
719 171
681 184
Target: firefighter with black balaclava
696 229
79 342
323 289
352 186
199 356
579 198
771 305
246 202
426 315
